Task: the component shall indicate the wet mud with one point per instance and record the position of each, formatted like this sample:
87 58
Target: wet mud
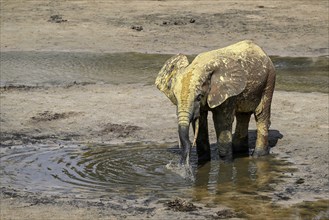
50 116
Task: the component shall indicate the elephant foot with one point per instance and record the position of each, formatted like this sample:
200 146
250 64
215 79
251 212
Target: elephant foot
260 152
203 158
226 159
240 149
240 145
226 155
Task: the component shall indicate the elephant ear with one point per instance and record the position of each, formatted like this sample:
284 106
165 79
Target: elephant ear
167 74
227 80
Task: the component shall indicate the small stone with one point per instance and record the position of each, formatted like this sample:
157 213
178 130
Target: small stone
290 190
137 28
282 196
300 181
181 205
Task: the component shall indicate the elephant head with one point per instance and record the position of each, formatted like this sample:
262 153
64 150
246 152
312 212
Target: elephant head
208 81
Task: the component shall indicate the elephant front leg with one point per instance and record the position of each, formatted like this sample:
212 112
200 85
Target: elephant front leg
224 141
223 118
240 138
202 142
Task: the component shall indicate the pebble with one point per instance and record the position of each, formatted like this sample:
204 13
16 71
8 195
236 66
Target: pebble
137 28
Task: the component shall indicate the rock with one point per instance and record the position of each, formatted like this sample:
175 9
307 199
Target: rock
300 181
227 213
282 196
290 190
181 205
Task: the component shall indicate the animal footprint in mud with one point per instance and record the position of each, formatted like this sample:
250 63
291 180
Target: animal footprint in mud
50 116
56 19
120 130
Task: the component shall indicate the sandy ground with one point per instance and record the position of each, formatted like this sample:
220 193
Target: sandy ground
48 115
287 28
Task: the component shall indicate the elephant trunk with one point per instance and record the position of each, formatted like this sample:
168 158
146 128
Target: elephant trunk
183 131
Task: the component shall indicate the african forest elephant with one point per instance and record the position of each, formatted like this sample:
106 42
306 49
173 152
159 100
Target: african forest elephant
237 80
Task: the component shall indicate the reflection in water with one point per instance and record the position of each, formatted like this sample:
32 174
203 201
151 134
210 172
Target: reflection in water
243 175
139 171
246 184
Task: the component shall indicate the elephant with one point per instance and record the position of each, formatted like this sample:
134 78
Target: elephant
237 80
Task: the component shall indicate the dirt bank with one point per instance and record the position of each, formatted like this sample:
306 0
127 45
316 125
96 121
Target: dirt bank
286 28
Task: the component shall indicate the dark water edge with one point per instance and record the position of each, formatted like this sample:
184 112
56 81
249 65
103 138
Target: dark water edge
301 74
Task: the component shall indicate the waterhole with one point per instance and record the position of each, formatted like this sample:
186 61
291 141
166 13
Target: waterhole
134 171
127 170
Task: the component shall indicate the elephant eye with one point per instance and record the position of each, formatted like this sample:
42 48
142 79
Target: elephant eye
199 97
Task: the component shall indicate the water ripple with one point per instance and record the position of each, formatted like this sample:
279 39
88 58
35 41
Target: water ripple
133 170
115 169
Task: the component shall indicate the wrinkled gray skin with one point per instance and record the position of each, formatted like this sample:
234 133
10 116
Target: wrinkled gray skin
234 81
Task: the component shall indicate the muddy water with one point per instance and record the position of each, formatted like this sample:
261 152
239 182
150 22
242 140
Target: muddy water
65 68
90 172
61 68
304 74
139 171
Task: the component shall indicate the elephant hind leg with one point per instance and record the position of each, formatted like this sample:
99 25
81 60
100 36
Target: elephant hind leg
240 138
262 116
261 147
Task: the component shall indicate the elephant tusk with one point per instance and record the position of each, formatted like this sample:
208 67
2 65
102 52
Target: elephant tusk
196 132
179 143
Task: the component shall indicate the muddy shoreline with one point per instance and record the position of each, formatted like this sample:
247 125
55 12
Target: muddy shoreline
70 76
